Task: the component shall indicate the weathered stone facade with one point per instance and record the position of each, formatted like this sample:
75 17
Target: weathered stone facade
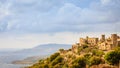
75 48
110 43
103 43
90 41
102 39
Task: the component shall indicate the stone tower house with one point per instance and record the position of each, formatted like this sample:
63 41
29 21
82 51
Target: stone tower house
114 39
102 38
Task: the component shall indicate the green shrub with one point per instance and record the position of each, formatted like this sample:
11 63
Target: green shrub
65 66
95 60
45 66
85 46
52 57
87 57
113 57
59 59
79 63
61 50
96 52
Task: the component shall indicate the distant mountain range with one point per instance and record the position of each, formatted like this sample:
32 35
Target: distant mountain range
41 50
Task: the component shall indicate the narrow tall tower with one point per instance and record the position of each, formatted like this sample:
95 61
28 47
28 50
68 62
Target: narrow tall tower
102 38
114 39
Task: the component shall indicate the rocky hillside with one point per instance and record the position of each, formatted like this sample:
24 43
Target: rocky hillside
81 57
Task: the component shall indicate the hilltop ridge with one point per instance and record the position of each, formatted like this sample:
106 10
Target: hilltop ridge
88 53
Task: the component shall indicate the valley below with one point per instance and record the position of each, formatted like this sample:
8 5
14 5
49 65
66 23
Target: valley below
26 57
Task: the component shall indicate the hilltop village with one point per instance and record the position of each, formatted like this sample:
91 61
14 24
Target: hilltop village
88 53
103 43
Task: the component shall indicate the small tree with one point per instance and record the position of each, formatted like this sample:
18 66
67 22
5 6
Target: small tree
95 61
61 50
97 52
85 46
117 49
87 57
113 57
79 63
45 66
65 66
59 59
52 57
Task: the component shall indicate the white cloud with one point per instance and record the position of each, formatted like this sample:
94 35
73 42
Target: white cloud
4 10
27 23
53 16
59 16
104 2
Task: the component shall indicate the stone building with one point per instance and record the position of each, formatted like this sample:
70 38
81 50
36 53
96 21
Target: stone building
102 39
103 43
118 42
109 43
82 41
90 41
75 47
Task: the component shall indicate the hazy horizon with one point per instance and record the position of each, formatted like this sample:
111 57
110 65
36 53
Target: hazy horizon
39 39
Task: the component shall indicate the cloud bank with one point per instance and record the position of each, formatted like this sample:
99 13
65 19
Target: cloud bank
51 16
27 23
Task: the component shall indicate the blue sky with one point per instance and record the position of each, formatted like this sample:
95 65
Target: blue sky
21 18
